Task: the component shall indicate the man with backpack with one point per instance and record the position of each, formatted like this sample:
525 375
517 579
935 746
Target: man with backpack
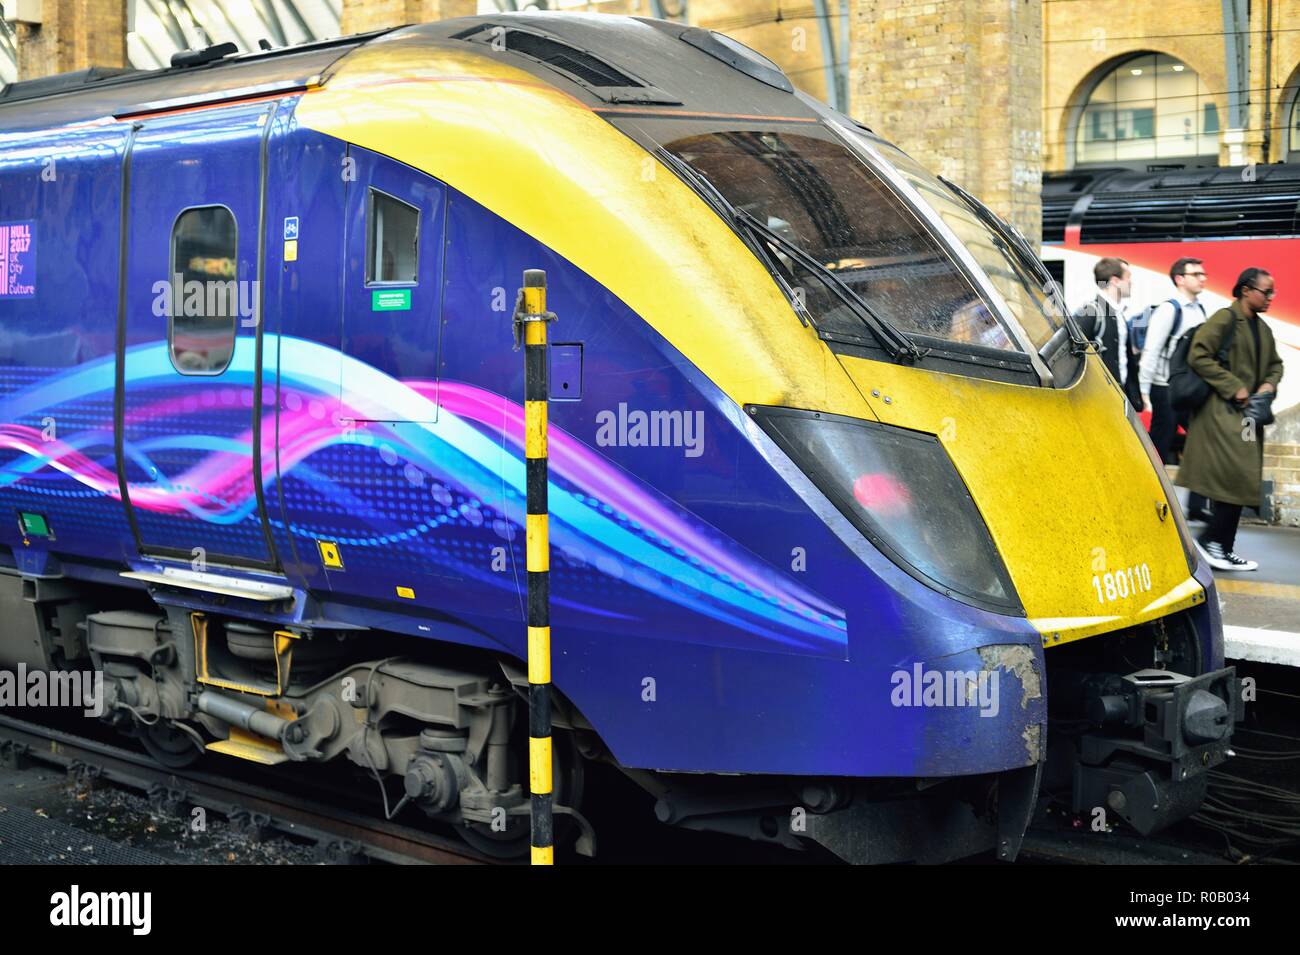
1168 322
1102 320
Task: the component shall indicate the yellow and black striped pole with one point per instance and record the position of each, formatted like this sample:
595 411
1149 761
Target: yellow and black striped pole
532 316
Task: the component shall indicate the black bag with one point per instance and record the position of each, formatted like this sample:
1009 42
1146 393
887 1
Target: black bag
1259 408
1132 389
1188 390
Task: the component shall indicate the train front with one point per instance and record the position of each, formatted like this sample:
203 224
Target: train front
1036 551
998 484
1000 469
855 541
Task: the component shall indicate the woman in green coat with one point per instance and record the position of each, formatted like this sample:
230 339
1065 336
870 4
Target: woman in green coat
1224 456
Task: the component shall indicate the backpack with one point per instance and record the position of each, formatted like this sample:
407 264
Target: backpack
1137 326
1188 390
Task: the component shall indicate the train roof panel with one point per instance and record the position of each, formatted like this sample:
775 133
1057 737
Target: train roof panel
1208 202
670 64
1119 180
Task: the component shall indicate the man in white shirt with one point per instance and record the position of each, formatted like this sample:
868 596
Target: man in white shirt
1188 276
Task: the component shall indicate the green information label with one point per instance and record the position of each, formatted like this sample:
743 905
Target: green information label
390 300
33 525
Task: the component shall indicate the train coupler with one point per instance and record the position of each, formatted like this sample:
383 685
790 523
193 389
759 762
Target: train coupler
1155 735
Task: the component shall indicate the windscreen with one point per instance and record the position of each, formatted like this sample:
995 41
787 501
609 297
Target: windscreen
1017 279
805 185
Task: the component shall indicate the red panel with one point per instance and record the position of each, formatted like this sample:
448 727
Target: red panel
1224 261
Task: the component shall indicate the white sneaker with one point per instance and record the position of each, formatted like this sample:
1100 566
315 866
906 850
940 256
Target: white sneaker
1219 559
1240 563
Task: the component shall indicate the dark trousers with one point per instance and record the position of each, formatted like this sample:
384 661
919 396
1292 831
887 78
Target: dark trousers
1222 525
1197 503
1164 425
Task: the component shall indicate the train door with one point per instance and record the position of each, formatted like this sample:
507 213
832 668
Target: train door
392 291
190 410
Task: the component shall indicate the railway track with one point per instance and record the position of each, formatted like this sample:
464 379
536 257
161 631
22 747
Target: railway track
341 834
315 810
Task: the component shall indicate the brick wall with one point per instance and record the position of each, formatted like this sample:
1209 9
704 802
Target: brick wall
957 83
361 16
74 35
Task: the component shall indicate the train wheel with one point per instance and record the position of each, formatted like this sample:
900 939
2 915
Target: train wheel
513 841
510 843
170 747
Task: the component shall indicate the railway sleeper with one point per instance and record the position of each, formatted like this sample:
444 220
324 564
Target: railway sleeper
14 755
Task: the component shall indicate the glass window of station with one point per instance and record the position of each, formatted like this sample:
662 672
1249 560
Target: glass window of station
1149 107
1293 146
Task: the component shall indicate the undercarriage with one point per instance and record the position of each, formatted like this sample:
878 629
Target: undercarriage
1131 731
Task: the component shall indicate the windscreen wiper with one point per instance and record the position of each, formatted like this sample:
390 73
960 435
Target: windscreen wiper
895 342
758 236
729 214
1013 236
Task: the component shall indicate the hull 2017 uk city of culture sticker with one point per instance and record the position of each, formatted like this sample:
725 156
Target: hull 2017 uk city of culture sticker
17 259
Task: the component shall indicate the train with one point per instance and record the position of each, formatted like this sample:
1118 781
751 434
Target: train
855 547
1230 217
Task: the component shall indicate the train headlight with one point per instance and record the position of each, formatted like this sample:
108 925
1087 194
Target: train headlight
901 490
1184 533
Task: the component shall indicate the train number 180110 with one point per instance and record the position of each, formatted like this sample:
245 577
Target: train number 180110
1122 583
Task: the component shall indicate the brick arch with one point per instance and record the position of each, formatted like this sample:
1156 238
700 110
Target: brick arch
1288 99
1092 71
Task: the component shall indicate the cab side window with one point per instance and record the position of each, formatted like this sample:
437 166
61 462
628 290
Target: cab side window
204 291
392 245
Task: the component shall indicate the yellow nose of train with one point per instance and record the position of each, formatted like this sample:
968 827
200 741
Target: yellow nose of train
1065 485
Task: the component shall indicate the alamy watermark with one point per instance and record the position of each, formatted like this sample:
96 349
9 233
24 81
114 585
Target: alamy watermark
214 298
921 687
133 910
634 428
62 688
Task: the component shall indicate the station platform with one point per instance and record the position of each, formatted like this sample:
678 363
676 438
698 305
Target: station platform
1261 609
